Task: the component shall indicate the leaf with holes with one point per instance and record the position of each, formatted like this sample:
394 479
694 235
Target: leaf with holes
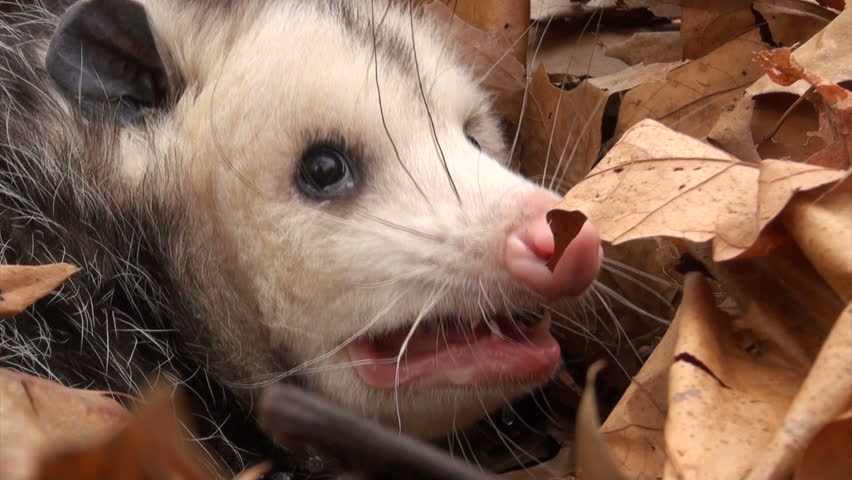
657 182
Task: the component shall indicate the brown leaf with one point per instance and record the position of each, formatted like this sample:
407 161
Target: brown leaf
827 457
725 399
634 429
823 396
760 120
485 51
647 47
793 22
565 51
657 182
822 226
43 415
693 96
709 24
560 130
510 18
152 446
594 459
833 102
23 285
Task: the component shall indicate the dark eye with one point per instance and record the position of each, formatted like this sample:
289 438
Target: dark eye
324 172
473 141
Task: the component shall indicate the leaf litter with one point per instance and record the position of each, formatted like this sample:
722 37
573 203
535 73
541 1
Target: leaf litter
695 145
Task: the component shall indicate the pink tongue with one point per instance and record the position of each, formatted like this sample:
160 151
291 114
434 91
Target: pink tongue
452 356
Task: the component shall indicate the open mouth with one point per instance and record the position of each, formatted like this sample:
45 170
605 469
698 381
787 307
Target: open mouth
446 352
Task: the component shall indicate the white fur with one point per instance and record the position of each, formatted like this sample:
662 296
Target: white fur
262 84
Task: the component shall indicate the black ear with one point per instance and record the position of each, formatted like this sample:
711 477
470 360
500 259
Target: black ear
103 52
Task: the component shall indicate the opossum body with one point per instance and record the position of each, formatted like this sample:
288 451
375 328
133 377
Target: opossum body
266 191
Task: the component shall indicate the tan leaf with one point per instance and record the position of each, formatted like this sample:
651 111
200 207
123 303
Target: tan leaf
594 459
833 102
692 97
564 51
40 414
822 226
647 47
725 397
657 182
152 446
560 130
709 24
23 285
827 457
634 429
510 18
773 130
823 396
793 22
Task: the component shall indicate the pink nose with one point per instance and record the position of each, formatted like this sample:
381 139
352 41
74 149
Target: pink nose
530 246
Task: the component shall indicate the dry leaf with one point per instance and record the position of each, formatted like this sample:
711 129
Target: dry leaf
694 95
510 18
647 47
760 120
793 22
827 457
40 414
594 460
725 399
708 24
823 396
833 102
560 130
567 50
485 51
23 285
822 226
152 446
657 182
634 429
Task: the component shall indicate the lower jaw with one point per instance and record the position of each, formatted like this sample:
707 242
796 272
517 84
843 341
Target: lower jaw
527 356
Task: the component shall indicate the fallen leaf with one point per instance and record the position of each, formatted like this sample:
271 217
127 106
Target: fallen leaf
634 429
833 102
576 50
793 22
709 24
822 226
742 135
825 393
23 285
560 130
510 18
153 445
657 182
594 459
44 414
485 51
725 401
693 96
647 47
827 457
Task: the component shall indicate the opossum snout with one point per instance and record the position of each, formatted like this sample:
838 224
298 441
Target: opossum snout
530 245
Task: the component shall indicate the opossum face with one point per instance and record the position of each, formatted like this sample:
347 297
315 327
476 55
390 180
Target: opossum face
389 257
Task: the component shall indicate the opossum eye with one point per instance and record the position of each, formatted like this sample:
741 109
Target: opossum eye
325 172
473 141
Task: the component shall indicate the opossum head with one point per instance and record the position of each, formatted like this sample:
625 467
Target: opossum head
349 175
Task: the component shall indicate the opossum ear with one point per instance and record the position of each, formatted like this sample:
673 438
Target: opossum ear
103 52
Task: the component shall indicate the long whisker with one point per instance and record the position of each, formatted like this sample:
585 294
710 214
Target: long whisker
426 105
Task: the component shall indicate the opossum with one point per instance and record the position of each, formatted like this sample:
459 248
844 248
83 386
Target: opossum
315 192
